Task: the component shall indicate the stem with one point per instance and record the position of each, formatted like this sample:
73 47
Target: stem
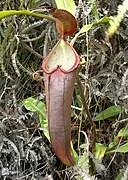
31 50
87 112
7 13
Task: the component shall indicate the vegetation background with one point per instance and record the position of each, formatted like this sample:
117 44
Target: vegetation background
25 153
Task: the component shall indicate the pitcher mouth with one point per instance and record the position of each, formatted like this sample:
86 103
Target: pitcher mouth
63 57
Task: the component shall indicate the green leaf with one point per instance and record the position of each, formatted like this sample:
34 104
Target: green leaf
103 20
7 13
112 145
44 125
109 112
123 132
83 160
33 3
86 28
94 9
32 105
119 176
29 104
123 148
100 150
74 152
67 5
83 146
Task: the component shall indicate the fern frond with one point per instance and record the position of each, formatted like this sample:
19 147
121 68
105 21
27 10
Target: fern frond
2 50
116 20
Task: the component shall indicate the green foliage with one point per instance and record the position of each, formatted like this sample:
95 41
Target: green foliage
65 4
100 150
7 13
123 148
74 153
109 112
115 146
123 132
32 105
87 27
122 135
32 3
116 20
83 160
68 5
119 176
94 9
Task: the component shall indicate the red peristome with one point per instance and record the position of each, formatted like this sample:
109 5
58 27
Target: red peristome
59 87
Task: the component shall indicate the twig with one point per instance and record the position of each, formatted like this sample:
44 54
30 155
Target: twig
5 87
84 102
36 38
87 111
34 25
31 50
14 58
24 69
